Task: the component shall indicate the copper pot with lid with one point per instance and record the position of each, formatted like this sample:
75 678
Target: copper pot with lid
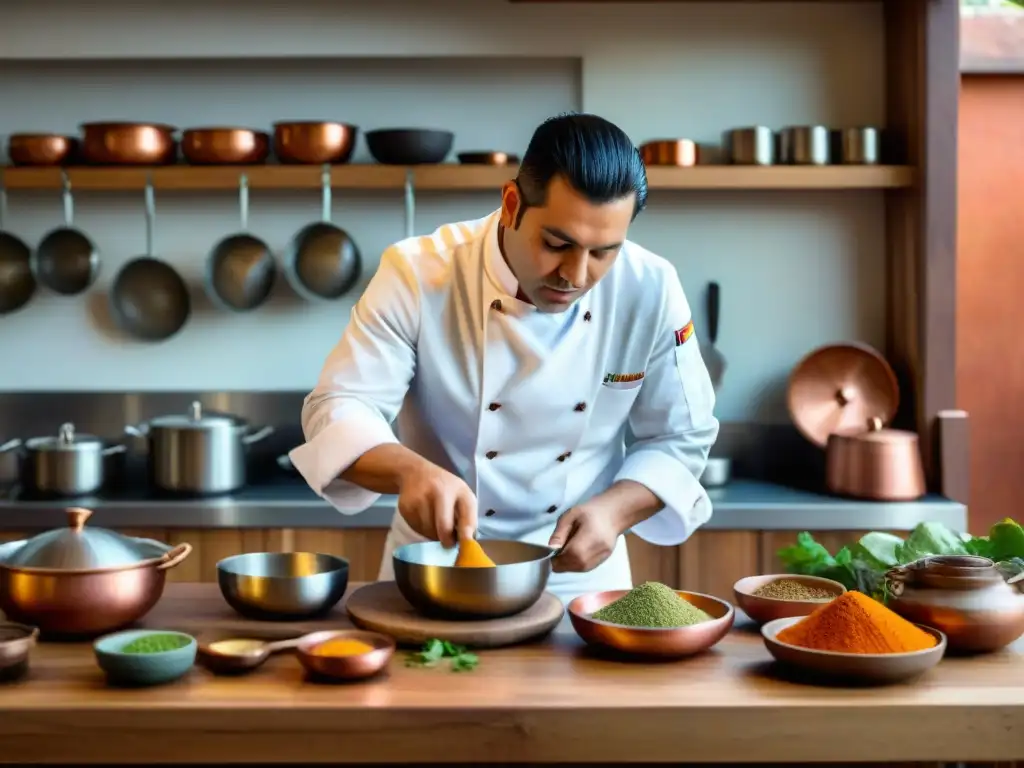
840 398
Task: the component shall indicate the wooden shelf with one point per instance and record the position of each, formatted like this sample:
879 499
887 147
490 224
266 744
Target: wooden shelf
447 177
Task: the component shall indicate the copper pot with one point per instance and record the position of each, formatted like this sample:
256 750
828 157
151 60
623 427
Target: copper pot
76 581
41 149
878 464
128 144
314 143
677 152
225 146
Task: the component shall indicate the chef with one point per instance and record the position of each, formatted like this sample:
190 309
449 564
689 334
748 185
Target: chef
517 352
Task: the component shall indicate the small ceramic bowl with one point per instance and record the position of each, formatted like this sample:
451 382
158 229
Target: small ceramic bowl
143 668
763 609
654 643
346 667
16 643
860 668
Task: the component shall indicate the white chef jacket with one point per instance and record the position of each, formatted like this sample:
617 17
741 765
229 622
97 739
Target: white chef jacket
531 409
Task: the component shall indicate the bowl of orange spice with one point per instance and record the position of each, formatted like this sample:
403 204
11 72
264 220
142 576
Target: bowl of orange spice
347 654
854 638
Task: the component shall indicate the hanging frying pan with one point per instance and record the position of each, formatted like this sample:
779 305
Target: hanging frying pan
66 260
17 285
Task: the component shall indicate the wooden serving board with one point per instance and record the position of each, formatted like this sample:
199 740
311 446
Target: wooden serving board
380 607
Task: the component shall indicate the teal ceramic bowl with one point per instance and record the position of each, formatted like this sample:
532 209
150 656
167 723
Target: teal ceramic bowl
136 669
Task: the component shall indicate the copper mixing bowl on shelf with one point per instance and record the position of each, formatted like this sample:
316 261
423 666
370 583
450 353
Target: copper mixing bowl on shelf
313 143
41 149
681 153
128 144
225 146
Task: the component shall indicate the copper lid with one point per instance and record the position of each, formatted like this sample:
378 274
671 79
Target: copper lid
838 389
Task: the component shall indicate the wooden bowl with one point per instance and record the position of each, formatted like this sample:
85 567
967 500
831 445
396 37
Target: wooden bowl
862 668
762 609
656 643
346 667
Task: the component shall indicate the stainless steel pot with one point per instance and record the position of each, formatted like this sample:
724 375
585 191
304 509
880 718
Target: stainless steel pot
66 465
198 453
83 581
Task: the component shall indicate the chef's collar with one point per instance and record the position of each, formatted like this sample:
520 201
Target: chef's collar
498 271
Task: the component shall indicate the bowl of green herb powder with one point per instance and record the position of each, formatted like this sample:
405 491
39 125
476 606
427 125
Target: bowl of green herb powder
145 656
783 596
651 620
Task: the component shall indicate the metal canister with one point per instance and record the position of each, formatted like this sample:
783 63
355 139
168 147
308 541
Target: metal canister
857 146
750 146
804 145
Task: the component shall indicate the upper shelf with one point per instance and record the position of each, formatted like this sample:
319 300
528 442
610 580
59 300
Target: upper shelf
450 177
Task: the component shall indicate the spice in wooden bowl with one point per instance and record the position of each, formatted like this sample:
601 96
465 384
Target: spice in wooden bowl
788 589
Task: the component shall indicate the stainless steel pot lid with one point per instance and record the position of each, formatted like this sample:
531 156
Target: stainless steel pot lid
77 548
195 419
66 440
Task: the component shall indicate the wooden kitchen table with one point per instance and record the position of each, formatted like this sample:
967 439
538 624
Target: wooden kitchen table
550 702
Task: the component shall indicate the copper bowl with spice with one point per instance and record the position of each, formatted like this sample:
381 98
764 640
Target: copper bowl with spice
656 642
225 146
347 654
783 596
128 144
41 149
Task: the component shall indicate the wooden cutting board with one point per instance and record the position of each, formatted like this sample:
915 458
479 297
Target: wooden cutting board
380 607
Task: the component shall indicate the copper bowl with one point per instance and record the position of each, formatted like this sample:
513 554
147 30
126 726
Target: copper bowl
677 152
225 146
660 643
862 668
487 158
763 609
314 143
41 149
346 667
128 144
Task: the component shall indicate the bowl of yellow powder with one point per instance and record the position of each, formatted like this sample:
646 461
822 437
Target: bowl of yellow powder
651 620
854 638
781 596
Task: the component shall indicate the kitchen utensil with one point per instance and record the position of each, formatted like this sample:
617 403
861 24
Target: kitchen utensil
149 300
750 146
653 643
41 149
836 388
225 146
677 152
713 359
16 644
856 668
487 158
314 142
764 609
83 581
857 146
17 283
66 261
282 586
356 667
69 464
198 453
427 577
143 669
804 145
877 464
967 598
128 144
237 655
717 472
323 262
409 146
241 269
380 607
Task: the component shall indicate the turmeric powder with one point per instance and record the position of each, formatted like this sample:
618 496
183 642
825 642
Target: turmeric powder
341 646
854 623
472 555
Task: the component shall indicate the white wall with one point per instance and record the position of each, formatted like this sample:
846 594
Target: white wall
797 269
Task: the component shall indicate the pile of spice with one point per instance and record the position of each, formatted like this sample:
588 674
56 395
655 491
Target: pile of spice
789 589
651 606
157 643
854 623
340 647
472 555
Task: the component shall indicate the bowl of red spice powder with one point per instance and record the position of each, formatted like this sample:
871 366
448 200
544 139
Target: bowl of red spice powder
854 638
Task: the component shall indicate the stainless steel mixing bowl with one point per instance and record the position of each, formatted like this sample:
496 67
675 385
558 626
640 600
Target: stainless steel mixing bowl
427 577
282 586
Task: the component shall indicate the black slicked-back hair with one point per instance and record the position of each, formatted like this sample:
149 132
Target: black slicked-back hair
594 156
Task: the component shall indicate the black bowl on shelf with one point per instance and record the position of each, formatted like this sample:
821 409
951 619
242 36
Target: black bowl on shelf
409 146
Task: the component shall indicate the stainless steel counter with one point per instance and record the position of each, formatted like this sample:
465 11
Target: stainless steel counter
743 505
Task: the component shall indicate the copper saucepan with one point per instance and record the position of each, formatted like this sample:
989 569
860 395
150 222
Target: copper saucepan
225 146
128 144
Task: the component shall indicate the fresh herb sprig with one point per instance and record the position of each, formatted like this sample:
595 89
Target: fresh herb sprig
435 652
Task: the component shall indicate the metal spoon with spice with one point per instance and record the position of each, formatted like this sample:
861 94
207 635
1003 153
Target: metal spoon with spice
236 655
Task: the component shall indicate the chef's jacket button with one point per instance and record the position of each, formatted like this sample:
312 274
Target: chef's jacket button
493 406
491 454
496 305
490 513
587 316
565 456
552 509
580 407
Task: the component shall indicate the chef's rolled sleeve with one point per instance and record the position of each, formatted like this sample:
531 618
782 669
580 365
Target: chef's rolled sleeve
674 424
362 385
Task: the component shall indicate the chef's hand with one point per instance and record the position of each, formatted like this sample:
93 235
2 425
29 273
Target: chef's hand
437 504
587 536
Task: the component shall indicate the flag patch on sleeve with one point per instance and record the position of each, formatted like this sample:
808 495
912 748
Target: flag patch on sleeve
683 334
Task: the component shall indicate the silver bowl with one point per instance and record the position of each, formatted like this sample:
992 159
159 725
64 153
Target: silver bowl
282 586
427 577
